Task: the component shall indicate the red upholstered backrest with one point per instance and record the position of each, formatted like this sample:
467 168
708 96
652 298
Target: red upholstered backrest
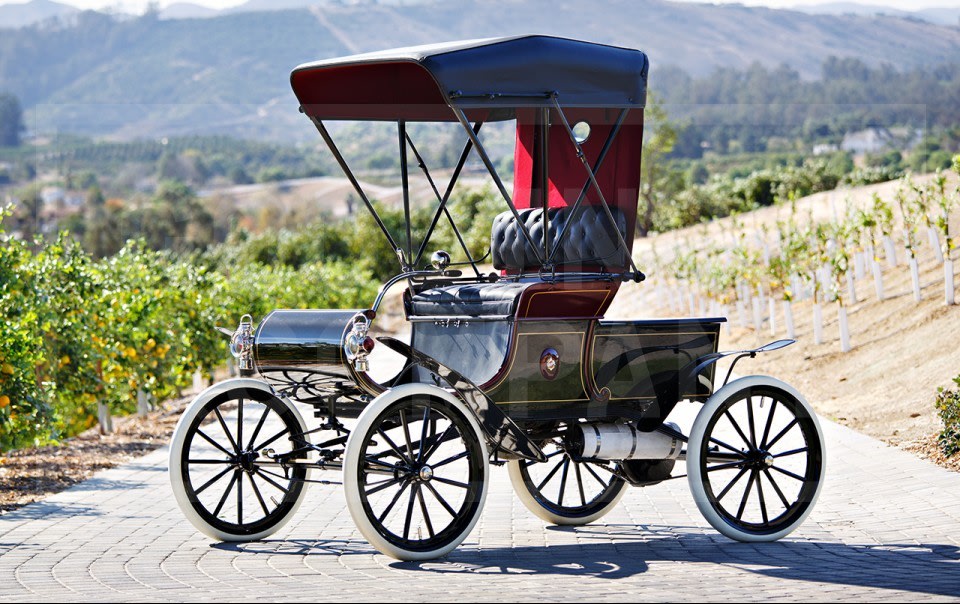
619 176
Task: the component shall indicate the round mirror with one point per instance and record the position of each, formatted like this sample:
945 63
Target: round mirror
581 132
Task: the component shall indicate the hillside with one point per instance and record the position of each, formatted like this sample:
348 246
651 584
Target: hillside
901 350
229 73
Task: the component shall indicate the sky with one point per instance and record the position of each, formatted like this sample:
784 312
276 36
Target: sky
139 5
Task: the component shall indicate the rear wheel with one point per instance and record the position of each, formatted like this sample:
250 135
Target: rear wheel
415 472
564 491
756 459
221 467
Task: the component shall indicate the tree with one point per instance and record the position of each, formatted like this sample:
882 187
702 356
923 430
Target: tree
658 181
11 121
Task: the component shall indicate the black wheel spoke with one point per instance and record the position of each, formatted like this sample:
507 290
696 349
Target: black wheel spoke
210 462
736 427
379 486
393 447
788 473
751 424
256 491
226 430
452 483
563 479
272 439
782 433
394 501
726 446
746 494
583 498
550 475
732 482
256 431
725 466
437 441
426 514
410 504
423 433
450 460
776 487
240 497
529 462
212 480
440 499
226 493
763 503
766 429
263 474
593 473
239 427
792 452
204 436
382 464
406 434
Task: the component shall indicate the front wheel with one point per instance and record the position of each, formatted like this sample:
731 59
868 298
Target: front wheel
223 467
415 472
756 459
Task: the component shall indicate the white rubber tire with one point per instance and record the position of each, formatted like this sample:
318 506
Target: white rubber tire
530 502
353 455
695 450
176 456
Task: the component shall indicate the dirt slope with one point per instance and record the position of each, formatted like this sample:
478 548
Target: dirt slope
902 351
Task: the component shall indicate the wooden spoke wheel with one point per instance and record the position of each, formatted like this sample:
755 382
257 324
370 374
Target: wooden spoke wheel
223 469
564 491
756 459
415 472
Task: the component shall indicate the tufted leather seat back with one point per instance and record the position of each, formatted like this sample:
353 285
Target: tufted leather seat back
591 240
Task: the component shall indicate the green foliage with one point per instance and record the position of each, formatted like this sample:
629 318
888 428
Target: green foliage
11 121
948 408
78 331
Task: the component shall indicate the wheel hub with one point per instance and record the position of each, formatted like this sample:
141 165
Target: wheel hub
425 473
246 461
759 459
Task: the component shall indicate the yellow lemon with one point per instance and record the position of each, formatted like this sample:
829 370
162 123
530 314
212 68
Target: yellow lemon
7 368
151 343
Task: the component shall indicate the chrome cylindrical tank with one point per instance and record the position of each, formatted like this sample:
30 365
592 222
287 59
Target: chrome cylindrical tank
311 340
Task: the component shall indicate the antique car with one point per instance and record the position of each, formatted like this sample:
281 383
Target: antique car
514 367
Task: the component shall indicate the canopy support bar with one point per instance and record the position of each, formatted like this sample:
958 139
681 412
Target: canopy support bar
482 152
443 200
544 136
586 184
596 185
353 181
405 184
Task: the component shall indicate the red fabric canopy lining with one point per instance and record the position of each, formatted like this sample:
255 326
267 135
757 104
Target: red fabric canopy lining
619 176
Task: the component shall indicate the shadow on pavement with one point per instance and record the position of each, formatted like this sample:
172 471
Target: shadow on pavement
622 551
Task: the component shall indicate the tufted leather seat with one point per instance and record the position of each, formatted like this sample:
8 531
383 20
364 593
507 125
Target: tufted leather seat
468 300
592 239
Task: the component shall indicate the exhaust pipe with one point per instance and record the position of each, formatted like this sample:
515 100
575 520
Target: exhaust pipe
624 441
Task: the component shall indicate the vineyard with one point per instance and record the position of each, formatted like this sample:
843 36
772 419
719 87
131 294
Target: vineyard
862 279
755 276
83 339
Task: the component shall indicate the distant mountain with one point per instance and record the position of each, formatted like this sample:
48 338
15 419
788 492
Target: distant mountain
186 10
230 73
942 16
35 11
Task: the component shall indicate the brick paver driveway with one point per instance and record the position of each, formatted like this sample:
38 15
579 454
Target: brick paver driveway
887 527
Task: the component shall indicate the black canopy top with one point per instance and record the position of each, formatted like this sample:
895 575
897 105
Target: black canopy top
512 72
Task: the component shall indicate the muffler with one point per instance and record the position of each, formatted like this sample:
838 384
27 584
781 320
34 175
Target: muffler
623 441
